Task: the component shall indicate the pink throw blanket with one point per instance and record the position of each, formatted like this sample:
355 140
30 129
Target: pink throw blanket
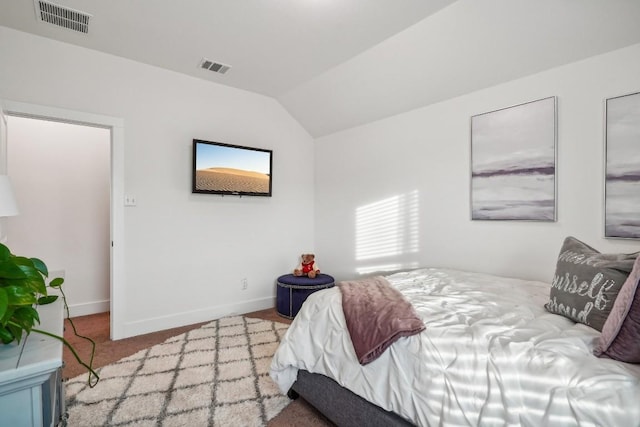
377 315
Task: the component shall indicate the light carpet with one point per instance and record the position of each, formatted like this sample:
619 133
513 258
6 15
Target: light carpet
216 375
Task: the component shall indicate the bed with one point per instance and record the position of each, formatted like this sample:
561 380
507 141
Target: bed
491 354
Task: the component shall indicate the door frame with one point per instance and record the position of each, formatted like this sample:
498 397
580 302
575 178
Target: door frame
116 126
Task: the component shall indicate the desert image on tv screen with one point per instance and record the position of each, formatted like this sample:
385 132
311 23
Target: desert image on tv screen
232 169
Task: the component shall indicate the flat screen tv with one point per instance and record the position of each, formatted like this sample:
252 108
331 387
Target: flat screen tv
231 169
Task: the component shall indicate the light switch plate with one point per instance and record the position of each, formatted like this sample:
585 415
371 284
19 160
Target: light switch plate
130 200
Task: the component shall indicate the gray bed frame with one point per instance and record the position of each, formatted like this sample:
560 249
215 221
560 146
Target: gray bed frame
340 405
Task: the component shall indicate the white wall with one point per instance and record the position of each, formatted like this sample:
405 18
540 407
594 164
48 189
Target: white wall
424 155
61 176
185 253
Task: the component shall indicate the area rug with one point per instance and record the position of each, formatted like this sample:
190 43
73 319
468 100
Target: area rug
216 375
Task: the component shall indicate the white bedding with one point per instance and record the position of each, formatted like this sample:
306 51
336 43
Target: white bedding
491 355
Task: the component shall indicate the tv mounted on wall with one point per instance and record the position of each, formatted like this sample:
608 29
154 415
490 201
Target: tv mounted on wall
231 169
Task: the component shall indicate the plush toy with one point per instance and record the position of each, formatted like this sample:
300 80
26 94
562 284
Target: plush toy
307 267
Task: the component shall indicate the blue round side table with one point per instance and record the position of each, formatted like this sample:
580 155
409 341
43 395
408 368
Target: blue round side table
294 290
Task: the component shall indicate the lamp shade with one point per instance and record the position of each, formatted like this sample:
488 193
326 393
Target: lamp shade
8 205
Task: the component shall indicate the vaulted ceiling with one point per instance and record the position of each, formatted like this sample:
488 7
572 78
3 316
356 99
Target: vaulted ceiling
335 64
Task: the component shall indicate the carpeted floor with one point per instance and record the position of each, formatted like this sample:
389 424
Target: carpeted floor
215 375
297 413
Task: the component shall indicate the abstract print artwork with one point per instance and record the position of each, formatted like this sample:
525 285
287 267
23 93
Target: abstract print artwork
513 163
622 182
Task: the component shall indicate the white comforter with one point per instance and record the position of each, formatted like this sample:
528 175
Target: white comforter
491 355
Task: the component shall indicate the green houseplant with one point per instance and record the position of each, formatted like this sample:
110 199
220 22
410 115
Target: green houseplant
23 289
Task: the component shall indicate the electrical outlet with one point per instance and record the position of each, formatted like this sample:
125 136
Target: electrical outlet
244 283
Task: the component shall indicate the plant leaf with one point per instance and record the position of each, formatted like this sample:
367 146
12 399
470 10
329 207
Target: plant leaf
57 282
4 302
22 260
5 335
9 270
26 317
16 331
33 285
47 299
23 323
7 316
40 266
36 284
5 253
35 279
19 296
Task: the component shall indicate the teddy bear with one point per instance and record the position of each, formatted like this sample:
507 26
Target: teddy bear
307 267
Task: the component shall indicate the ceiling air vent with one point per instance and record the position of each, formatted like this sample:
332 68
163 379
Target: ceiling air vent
62 16
216 67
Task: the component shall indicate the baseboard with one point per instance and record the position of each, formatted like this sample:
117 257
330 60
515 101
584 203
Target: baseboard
87 308
176 320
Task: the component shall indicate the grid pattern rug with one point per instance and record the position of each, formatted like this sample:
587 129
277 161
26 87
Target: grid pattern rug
216 375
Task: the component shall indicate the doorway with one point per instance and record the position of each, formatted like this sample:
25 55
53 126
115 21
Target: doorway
112 129
61 175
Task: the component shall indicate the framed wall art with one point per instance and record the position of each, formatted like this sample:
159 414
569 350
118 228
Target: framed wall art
513 163
622 167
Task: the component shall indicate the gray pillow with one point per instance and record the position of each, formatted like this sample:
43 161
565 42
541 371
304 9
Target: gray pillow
587 282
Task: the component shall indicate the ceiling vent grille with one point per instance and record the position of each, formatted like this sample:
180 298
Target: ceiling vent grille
216 67
62 16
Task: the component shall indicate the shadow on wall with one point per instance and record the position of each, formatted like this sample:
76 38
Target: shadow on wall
386 232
